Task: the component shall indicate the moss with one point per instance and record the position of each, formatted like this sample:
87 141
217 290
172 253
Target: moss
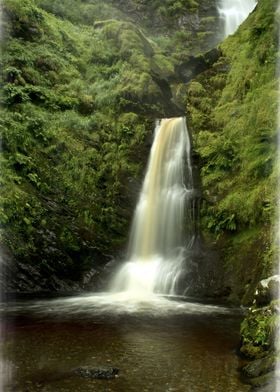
258 331
260 367
232 110
70 146
263 381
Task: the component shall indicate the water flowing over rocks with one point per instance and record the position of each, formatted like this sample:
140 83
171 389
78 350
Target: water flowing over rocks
219 105
233 13
162 231
79 103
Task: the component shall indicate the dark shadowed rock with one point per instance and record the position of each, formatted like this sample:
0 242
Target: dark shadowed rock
195 65
259 366
45 376
266 388
264 383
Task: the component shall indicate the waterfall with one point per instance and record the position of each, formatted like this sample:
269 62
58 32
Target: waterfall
233 13
162 225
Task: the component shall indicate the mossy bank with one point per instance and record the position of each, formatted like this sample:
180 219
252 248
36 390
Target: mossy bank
232 111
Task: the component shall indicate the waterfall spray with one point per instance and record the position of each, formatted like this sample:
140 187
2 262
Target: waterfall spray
162 225
233 13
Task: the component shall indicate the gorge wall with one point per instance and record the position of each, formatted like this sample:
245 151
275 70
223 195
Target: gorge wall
82 88
84 82
232 110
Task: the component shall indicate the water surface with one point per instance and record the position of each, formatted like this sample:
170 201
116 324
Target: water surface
158 344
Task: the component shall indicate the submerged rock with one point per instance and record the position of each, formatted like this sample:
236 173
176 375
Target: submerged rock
45 376
106 373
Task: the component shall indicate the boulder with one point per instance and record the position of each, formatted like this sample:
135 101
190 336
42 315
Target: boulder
259 367
267 290
264 383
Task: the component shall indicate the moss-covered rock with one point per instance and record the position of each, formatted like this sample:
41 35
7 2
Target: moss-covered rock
258 331
260 366
264 383
71 147
83 83
232 111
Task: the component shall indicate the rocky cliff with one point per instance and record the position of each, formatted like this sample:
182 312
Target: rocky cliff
84 82
232 110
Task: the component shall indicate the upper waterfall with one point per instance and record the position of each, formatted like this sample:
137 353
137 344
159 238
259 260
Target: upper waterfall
161 228
233 13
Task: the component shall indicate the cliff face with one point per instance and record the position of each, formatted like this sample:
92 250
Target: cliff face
178 26
83 84
232 110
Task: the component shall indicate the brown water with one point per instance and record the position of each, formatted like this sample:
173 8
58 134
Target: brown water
159 346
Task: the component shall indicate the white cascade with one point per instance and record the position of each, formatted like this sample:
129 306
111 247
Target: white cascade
233 13
161 230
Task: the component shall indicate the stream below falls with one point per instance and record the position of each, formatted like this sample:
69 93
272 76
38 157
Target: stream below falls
161 344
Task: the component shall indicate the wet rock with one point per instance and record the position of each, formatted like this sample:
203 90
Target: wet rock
105 373
270 387
266 388
89 277
264 381
267 290
259 367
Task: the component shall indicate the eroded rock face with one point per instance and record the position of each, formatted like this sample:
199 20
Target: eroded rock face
42 278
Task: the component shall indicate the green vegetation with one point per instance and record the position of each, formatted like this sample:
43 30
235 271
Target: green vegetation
233 109
258 331
74 130
175 25
82 87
